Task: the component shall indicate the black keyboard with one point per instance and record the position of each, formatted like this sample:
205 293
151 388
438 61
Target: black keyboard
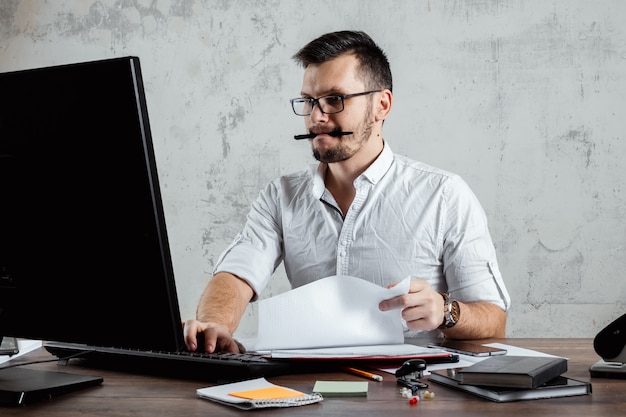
213 367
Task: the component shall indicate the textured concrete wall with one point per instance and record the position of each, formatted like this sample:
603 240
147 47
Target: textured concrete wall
524 99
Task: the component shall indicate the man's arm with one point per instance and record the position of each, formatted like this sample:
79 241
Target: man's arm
220 309
478 320
423 309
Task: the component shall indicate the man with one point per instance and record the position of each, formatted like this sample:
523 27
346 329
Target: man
362 211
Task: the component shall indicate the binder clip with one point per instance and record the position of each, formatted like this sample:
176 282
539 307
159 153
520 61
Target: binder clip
410 373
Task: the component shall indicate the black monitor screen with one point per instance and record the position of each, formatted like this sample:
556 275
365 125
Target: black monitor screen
84 255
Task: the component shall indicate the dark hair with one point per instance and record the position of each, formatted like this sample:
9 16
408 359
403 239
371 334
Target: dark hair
373 63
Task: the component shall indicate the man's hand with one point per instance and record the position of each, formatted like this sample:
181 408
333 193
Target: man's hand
214 337
422 308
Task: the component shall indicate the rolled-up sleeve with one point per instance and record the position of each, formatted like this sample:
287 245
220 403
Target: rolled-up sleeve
469 257
256 251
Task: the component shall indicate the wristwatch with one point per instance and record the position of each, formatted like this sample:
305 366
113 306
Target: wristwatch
451 311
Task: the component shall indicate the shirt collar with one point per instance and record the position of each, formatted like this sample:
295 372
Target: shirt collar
379 167
373 173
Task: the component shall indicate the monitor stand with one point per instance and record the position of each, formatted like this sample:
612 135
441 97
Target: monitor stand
602 369
20 385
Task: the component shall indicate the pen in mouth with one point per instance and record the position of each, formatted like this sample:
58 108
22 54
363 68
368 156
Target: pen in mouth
312 135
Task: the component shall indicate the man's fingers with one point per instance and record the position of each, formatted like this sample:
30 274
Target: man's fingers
190 332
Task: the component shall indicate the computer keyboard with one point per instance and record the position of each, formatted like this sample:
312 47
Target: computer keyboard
213 367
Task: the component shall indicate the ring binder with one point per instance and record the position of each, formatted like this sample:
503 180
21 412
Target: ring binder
287 402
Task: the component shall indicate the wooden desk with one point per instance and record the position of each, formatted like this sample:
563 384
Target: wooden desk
125 394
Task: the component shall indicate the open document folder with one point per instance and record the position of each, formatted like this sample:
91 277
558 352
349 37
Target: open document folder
335 317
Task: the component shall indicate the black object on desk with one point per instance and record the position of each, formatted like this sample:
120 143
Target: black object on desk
19 386
9 346
610 344
410 373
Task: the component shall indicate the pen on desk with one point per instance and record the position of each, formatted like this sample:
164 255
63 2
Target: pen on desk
366 374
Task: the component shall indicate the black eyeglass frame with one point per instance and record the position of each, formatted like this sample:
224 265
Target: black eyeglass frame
312 101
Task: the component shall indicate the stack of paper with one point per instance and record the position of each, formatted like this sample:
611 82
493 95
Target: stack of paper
331 312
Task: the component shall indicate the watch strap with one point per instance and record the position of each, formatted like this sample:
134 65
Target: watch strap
451 311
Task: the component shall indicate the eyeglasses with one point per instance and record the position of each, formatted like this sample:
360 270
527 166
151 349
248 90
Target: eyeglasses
328 104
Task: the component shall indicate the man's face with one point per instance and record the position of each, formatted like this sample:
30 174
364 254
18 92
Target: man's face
338 76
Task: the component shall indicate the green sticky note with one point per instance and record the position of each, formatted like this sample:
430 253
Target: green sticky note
341 388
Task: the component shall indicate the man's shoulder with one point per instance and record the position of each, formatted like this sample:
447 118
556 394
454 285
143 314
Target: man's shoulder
411 166
300 176
292 181
426 177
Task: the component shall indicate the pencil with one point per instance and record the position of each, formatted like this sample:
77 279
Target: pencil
366 374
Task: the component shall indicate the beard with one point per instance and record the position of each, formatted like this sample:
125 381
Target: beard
348 145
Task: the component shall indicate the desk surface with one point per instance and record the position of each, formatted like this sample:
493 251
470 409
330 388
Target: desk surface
124 394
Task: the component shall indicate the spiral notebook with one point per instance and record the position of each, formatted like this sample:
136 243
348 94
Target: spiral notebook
257 393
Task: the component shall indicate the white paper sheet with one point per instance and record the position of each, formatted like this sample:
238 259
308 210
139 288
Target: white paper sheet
25 346
467 360
518 351
331 312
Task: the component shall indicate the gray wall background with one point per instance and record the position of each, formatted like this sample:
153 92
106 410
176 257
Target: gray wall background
524 99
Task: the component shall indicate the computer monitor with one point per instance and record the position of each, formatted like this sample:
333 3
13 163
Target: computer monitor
82 228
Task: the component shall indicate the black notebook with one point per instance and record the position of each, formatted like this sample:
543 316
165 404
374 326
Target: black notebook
558 387
23 386
514 371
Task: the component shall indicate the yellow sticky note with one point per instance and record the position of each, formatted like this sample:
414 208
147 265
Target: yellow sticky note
270 393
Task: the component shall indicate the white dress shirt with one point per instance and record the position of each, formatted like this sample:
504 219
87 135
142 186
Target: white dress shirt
407 219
